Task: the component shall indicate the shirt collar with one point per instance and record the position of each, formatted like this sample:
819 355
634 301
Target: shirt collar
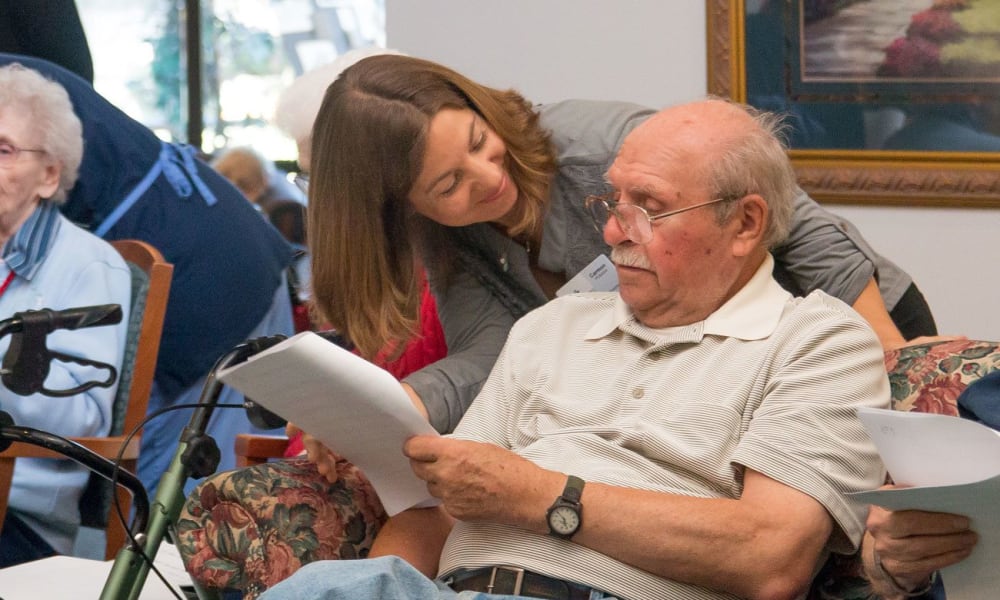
26 251
751 314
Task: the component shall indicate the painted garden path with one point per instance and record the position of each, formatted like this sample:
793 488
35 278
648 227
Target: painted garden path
852 42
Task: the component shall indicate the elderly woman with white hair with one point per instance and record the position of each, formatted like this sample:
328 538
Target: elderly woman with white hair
50 263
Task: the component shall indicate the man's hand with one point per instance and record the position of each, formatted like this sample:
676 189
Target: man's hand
325 459
912 544
482 482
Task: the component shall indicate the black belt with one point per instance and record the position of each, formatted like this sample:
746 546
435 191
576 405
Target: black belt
518 582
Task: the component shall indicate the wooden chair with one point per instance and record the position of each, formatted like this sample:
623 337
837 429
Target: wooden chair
254 449
151 277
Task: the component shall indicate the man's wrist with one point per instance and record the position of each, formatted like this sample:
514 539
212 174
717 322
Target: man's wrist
894 585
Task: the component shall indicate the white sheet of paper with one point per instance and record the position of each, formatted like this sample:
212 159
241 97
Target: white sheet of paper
927 449
355 408
953 465
59 577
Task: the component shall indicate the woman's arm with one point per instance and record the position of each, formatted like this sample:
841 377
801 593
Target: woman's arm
475 325
870 306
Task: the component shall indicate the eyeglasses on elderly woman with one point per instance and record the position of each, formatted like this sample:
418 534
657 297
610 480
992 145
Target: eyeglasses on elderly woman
636 223
9 153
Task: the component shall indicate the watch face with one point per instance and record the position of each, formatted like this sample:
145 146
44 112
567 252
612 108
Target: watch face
564 520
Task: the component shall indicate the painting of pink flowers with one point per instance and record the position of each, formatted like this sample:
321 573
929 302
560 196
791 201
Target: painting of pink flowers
900 40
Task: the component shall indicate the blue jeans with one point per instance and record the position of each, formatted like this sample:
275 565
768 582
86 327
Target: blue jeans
20 544
385 578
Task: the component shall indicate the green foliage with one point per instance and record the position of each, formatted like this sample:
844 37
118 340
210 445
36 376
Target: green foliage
982 17
981 20
973 49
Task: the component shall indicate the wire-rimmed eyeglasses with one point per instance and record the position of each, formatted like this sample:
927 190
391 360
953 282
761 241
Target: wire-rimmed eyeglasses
9 153
636 223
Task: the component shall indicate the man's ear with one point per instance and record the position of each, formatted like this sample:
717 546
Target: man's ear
750 222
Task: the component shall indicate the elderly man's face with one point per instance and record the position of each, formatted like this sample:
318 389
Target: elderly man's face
26 175
689 268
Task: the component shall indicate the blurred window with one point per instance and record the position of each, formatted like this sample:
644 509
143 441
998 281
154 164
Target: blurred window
251 50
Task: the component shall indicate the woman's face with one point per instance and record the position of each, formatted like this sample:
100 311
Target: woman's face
463 179
25 177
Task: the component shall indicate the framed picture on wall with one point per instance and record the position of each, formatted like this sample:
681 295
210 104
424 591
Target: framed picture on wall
885 104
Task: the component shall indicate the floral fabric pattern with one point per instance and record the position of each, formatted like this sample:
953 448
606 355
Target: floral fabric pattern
250 528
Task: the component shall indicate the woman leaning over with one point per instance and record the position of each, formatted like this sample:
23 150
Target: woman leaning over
416 167
416 163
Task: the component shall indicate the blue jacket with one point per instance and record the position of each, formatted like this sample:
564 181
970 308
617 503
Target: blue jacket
59 266
981 400
227 260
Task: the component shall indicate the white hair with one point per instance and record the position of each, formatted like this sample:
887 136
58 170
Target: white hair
51 114
299 104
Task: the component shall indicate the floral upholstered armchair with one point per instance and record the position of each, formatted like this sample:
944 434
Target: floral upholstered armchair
249 529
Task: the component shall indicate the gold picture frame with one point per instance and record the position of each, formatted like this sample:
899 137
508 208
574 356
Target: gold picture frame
875 177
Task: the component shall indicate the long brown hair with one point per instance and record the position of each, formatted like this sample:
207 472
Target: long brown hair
368 145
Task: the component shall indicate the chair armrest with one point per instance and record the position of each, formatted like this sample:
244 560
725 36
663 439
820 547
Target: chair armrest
256 449
108 447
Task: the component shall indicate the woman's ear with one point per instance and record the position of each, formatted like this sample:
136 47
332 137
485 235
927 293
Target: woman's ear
750 221
48 182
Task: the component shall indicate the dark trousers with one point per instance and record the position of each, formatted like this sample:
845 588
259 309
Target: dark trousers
912 315
19 543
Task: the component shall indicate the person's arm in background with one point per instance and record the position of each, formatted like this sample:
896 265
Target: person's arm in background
47 29
902 550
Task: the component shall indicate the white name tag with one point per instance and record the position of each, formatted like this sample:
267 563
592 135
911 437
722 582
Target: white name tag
598 276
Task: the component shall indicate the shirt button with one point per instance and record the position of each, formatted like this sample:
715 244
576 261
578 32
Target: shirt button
638 393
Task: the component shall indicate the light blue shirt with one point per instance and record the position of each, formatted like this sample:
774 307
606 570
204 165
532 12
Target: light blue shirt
58 265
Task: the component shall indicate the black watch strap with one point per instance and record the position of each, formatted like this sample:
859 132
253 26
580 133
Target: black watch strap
573 490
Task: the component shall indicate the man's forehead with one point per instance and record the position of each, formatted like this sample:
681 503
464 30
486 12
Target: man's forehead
650 162
705 124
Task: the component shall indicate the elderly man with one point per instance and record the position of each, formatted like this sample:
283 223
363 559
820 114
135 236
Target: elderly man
692 436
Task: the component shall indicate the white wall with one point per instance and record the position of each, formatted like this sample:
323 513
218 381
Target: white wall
653 52
647 51
950 253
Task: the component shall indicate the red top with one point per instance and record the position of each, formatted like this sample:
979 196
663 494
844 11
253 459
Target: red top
422 350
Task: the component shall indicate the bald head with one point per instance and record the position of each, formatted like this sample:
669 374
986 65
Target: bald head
703 125
732 150
680 166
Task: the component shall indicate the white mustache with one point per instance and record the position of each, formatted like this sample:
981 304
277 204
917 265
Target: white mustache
630 257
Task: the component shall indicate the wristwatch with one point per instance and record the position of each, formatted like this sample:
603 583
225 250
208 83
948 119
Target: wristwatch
566 514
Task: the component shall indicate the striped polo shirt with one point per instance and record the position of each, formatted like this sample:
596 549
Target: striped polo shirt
768 382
